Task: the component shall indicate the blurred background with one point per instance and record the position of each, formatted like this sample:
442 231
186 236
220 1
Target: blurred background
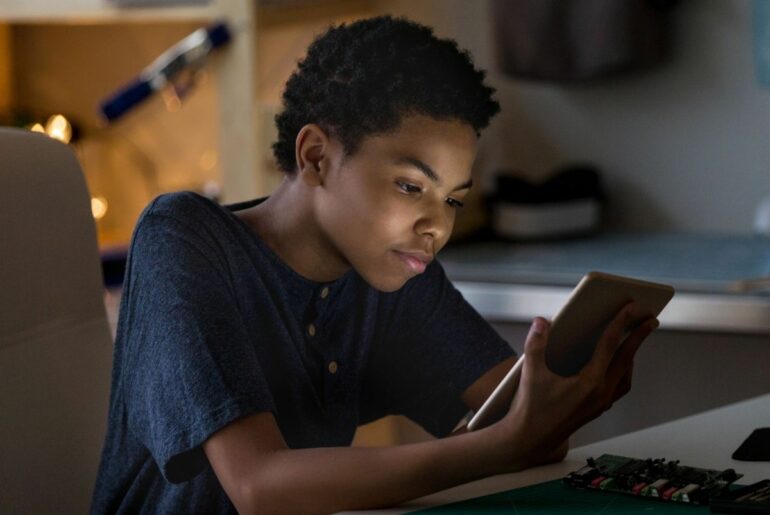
681 143
658 111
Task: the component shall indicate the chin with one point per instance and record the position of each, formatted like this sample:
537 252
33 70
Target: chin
386 284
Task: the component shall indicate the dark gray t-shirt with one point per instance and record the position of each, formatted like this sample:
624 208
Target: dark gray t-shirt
214 326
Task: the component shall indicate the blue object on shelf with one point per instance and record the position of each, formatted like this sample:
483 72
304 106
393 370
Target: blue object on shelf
122 101
187 54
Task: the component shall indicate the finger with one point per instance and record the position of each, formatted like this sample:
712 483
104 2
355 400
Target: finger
609 342
534 346
624 386
623 361
624 356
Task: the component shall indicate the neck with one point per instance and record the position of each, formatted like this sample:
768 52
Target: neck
287 224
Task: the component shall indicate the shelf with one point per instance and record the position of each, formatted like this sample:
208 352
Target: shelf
514 282
100 11
232 74
700 312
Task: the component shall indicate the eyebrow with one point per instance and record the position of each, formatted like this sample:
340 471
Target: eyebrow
429 173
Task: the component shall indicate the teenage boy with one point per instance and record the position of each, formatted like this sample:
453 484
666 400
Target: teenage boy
255 338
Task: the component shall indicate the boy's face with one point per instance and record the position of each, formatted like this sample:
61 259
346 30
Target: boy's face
390 207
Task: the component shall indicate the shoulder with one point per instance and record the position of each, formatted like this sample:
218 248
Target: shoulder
182 205
186 223
187 214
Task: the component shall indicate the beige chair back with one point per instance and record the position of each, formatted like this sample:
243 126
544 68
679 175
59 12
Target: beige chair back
55 343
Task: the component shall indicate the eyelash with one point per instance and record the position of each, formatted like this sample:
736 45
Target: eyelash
408 188
411 189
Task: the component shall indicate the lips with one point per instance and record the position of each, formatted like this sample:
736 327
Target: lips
416 261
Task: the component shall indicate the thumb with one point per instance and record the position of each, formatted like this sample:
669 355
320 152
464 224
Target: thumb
537 339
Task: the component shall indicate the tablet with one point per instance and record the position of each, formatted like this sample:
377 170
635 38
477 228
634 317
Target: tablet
575 330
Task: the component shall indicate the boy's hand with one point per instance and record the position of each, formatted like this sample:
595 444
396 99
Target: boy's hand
548 408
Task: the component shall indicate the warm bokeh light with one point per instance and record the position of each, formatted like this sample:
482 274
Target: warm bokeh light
98 207
59 128
37 128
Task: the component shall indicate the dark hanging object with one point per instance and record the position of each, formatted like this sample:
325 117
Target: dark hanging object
574 40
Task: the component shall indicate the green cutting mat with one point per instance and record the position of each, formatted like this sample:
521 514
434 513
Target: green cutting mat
555 497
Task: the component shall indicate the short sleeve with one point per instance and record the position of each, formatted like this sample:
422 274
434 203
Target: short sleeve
435 346
189 367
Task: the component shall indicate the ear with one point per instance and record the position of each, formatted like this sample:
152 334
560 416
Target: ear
311 153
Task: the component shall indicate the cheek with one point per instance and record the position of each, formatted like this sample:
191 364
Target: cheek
394 221
372 216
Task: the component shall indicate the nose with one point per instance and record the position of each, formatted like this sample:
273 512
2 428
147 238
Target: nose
435 222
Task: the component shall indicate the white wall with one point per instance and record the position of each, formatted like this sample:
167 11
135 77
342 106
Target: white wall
683 147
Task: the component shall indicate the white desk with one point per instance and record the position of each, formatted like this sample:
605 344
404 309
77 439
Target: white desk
706 440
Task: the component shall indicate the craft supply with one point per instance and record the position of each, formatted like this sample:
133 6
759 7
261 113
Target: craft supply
656 478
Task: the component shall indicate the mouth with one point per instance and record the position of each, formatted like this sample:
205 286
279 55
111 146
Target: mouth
416 261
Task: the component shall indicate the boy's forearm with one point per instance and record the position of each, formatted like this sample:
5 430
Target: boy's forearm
324 480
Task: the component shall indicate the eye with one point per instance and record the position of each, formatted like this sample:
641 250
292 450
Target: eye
409 188
453 202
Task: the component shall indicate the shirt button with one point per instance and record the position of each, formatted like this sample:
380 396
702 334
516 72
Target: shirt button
311 330
325 292
333 367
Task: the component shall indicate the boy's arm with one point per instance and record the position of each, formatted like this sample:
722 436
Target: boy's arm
261 475
253 447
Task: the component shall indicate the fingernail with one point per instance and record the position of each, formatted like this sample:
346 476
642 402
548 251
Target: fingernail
538 326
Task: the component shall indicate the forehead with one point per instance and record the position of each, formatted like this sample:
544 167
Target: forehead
443 144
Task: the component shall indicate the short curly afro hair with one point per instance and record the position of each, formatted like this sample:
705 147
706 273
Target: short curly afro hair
361 78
